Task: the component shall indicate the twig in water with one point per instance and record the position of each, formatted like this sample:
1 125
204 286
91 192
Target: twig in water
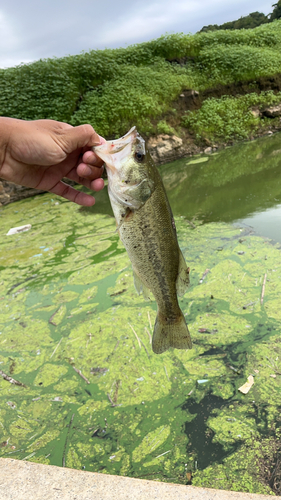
66 439
248 305
163 453
29 456
191 223
81 374
117 384
150 338
52 317
149 320
204 276
56 348
263 288
110 400
135 335
145 349
10 379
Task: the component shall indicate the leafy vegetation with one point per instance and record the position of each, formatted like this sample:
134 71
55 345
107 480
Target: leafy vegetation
246 22
230 117
251 21
135 95
113 89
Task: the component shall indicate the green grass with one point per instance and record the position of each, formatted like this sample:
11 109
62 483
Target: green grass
115 88
135 95
229 118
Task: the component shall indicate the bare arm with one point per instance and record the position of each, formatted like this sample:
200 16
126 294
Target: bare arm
40 153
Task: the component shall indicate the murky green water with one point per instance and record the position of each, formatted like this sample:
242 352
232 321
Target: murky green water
68 310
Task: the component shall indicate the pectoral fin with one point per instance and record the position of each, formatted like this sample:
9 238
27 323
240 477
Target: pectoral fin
140 287
182 282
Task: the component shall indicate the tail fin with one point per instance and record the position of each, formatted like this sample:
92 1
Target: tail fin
170 334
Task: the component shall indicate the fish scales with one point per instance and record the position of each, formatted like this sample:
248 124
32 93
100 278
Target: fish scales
147 229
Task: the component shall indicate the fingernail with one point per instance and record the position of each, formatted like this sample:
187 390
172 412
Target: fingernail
99 141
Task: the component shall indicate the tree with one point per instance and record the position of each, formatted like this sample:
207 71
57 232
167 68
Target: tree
251 21
276 13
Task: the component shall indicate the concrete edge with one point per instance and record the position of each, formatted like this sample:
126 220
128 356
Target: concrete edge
22 480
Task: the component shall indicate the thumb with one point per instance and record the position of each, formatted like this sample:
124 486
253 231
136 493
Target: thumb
79 137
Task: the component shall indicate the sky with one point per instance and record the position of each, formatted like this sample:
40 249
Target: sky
38 29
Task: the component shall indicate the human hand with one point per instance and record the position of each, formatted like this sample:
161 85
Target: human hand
40 153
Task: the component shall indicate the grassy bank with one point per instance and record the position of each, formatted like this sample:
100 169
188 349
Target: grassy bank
114 89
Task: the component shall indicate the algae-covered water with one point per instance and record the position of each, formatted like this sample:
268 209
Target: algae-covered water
77 337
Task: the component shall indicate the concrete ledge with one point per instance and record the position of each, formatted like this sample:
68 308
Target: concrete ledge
21 480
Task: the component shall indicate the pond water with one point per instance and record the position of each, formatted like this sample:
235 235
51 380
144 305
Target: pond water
77 337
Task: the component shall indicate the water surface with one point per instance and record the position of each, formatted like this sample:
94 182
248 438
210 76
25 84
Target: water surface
77 337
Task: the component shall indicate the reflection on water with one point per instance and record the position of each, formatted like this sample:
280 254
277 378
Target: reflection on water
266 223
241 184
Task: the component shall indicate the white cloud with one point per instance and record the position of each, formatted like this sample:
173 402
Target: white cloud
9 40
30 30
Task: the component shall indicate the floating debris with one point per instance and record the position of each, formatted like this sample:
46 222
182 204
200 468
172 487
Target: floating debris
81 374
248 305
112 403
10 379
206 330
263 288
135 335
247 386
98 369
56 348
11 404
19 229
118 293
202 159
204 275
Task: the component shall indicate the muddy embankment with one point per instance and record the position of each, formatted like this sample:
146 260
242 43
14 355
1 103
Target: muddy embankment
165 148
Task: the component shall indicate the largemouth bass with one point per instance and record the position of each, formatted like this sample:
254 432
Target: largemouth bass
147 229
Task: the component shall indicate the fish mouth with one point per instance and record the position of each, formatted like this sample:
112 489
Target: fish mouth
115 153
113 147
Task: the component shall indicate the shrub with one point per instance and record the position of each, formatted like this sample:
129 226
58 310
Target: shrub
132 98
228 118
39 90
240 62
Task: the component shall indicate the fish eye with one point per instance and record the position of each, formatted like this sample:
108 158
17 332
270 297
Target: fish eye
139 156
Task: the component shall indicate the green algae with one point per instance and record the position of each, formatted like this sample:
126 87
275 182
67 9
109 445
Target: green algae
72 312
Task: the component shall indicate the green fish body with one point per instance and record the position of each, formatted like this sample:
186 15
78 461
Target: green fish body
146 227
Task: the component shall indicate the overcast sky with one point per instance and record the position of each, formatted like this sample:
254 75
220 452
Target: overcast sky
35 29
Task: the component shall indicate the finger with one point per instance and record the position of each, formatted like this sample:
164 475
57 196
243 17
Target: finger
97 185
72 175
78 137
71 194
91 158
89 172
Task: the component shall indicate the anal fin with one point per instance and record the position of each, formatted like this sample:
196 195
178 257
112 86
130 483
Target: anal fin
182 282
140 287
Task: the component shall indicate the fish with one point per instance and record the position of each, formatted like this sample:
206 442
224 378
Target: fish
147 229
